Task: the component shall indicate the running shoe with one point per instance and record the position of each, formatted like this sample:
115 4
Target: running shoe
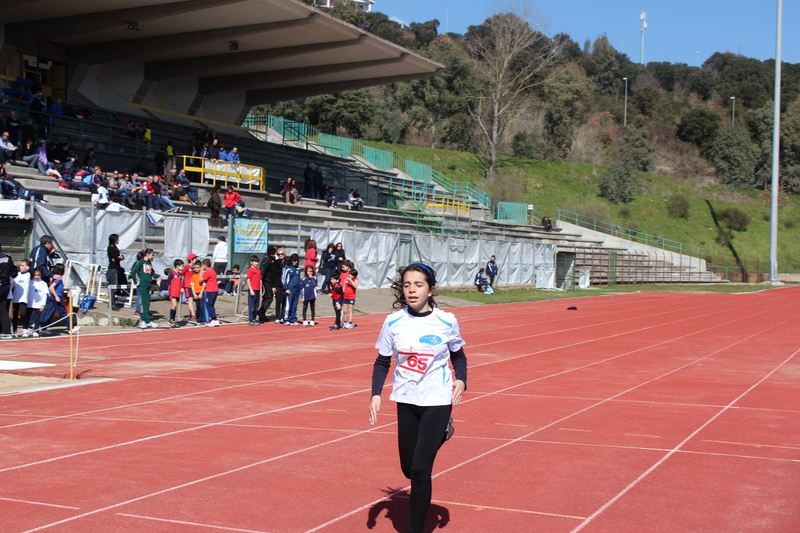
336 327
137 314
450 429
6 337
142 324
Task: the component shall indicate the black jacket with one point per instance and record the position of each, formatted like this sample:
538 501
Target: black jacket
7 271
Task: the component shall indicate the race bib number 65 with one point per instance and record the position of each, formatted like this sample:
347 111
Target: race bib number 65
413 362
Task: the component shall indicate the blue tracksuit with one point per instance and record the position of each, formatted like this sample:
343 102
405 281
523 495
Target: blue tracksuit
291 283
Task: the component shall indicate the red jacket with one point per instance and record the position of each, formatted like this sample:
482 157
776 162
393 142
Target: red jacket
232 198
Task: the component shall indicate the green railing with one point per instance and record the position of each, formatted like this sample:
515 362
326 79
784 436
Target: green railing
632 234
512 213
417 212
298 132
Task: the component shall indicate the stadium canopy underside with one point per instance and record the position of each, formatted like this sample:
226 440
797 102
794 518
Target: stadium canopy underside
216 55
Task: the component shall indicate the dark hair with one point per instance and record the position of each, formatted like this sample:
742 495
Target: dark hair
254 258
167 271
293 258
44 239
331 246
39 270
207 262
237 267
222 238
148 251
177 263
113 238
305 270
25 262
397 285
58 269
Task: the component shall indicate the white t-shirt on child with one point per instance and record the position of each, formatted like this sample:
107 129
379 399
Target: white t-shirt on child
421 346
21 290
39 293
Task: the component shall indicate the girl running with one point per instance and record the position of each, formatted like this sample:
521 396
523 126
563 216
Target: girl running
423 338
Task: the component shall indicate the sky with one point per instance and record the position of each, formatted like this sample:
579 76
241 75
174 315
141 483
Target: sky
678 31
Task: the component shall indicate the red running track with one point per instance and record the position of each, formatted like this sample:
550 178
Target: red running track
656 412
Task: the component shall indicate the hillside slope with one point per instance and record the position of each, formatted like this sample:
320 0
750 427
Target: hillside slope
574 186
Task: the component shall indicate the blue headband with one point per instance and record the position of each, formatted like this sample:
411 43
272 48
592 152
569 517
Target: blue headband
427 269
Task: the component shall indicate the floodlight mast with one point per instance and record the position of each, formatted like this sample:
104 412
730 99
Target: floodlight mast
776 138
644 27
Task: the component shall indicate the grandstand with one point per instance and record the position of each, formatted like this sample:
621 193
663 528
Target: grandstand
398 199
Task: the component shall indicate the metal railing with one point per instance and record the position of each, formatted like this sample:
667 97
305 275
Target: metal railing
417 212
213 171
512 213
448 205
631 234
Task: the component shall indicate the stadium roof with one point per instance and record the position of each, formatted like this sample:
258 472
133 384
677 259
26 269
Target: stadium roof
273 49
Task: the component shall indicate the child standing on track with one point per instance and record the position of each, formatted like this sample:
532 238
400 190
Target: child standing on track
38 301
198 296
209 280
186 273
143 274
20 294
253 290
309 287
423 339
349 280
174 290
55 301
291 287
337 294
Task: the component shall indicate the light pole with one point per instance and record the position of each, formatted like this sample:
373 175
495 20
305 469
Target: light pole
644 27
733 111
625 114
447 20
776 128
698 58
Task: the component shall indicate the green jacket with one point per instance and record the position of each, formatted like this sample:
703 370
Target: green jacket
143 273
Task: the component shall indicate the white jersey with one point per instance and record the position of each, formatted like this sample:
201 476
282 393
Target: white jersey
21 289
39 293
421 347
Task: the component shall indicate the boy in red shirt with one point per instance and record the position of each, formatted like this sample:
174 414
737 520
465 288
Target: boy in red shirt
208 279
254 290
349 279
186 274
337 293
174 290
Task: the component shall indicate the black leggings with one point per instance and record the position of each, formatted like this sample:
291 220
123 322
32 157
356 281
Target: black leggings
420 433
19 316
313 304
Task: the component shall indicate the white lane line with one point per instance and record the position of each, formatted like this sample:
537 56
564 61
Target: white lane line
527 435
669 454
201 480
40 503
184 523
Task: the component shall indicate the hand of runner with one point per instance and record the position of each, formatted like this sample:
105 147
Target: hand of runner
458 391
374 407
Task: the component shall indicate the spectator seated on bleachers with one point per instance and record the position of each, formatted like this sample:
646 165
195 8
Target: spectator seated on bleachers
330 197
354 200
547 224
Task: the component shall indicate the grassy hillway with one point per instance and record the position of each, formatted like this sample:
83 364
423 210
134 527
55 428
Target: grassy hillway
551 186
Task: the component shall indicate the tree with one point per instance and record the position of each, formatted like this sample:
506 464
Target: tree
735 158
425 32
699 127
645 100
351 110
618 186
510 59
637 150
602 65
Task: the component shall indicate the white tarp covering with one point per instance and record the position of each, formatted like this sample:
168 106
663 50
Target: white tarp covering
584 279
72 231
456 261
12 208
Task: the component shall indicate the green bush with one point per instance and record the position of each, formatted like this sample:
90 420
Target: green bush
679 206
625 212
735 218
525 146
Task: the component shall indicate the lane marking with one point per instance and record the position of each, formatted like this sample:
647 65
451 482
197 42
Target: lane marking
182 522
483 507
512 425
207 478
669 454
337 410
756 445
583 430
526 436
640 435
41 503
